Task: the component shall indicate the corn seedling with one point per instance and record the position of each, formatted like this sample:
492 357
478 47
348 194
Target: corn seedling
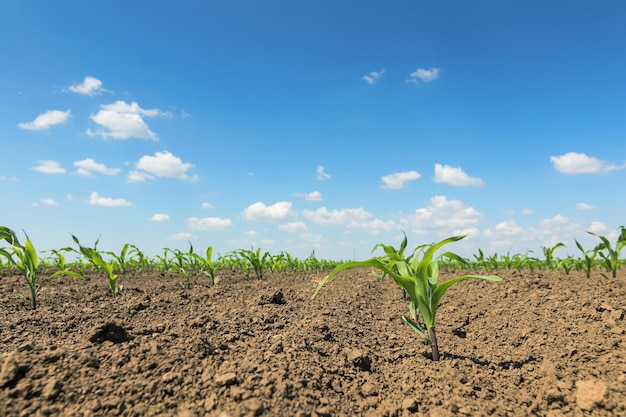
93 256
587 262
27 262
207 266
611 260
548 252
250 260
418 277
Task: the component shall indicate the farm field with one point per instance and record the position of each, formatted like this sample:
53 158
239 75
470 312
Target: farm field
537 343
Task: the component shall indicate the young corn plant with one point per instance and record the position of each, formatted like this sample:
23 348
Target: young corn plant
93 256
588 261
207 266
548 252
611 260
26 262
418 277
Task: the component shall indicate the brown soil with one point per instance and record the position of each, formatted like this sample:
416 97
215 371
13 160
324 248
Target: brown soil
541 344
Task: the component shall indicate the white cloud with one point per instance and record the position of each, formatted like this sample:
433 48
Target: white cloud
88 166
337 217
46 120
138 176
506 228
162 164
207 223
312 196
454 176
278 212
399 179
293 227
70 197
49 167
206 205
48 202
374 227
182 236
597 227
322 174
424 75
96 200
527 211
89 87
442 216
573 163
160 218
373 77
584 207
122 121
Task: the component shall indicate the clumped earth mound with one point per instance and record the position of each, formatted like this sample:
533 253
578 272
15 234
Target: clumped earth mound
539 343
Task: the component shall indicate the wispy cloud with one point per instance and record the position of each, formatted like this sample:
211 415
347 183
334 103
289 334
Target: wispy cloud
89 87
573 163
423 75
399 179
160 217
276 213
454 176
46 120
312 196
87 167
96 200
181 236
206 205
208 223
49 167
323 216
322 174
122 120
584 207
294 227
48 202
373 77
161 164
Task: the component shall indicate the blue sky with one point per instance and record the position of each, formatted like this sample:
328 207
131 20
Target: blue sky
327 126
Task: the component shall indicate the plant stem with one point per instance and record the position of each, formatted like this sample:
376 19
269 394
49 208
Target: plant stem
433 341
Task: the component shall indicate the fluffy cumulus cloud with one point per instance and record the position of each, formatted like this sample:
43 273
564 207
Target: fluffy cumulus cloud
573 163
206 205
322 174
312 196
423 75
442 217
399 179
275 213
122 120
88 166
96 200
89 87
161 164
49 167
597 227
373 77
46 120
208 223
293 227
352 218
160 218
454 176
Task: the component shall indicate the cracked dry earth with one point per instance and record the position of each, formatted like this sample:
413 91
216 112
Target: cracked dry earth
541 343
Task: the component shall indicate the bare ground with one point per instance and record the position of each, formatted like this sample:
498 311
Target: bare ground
541 343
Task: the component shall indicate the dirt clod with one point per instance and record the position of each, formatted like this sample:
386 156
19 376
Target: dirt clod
109 332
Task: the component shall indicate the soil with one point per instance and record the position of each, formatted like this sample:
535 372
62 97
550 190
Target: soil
540 343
